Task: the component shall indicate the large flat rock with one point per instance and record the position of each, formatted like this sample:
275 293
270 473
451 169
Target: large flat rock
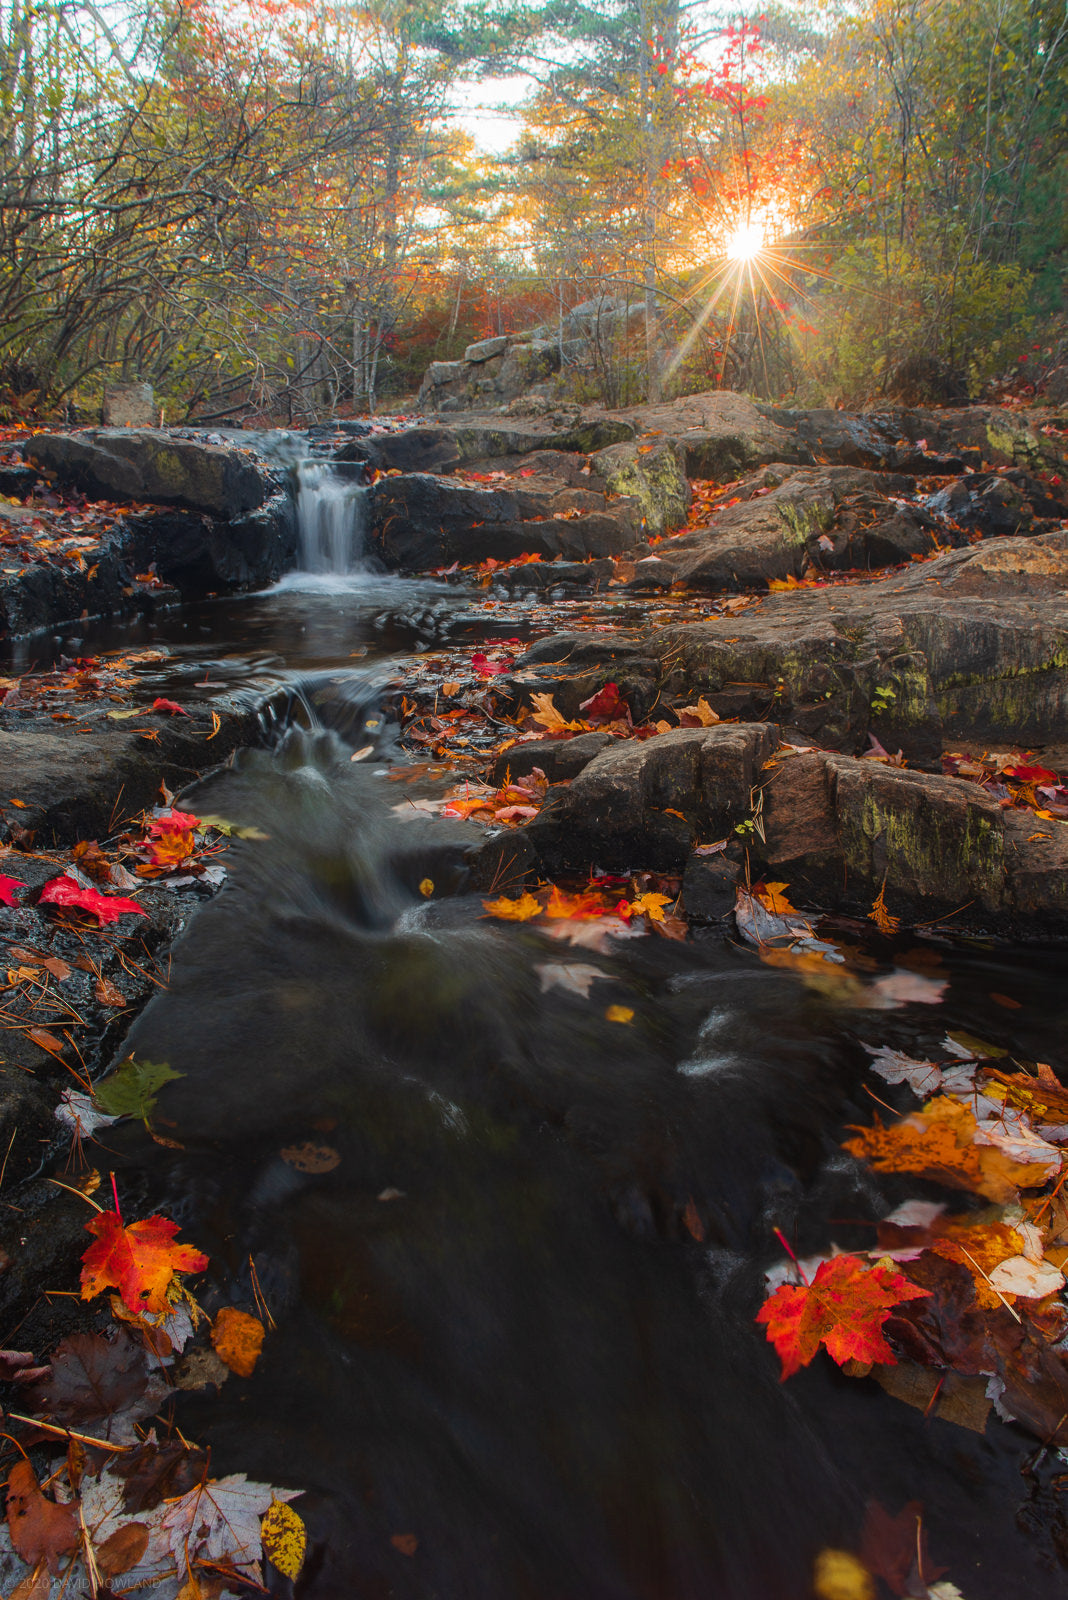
157 466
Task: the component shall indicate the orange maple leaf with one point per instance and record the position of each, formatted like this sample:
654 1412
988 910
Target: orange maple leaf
772 897
938 1142
843 1308
140 1260
521 910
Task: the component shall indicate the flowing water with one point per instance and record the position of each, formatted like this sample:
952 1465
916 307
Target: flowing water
504 1366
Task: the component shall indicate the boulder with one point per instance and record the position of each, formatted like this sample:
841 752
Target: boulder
832 519
559 759
409 450
839 830
154 466
421 522
645 802
653 477
128 405
970 646
485 349
721 435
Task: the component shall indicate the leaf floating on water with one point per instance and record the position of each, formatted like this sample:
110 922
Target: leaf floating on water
232 829
285 1539
881 916
311 1157
132 1090
77 1112
843 1308
140 1260
238 1339
573 977
521 910
944 1142
922 1077
619 1014
841 1576
406 1543
220 1522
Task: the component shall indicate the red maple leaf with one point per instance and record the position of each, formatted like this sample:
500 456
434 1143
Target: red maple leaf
7 890
843 1308
173 822
171 707
607 705
68 895
487 668
140 1260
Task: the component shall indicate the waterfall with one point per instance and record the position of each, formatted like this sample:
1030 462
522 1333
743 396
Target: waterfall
331 515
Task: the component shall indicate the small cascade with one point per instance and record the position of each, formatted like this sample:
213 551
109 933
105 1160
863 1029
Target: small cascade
331 514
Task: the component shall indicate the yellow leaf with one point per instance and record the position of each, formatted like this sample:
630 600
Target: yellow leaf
285 1539
772 897
619 1014
841 1576
651 906
426 888
520 910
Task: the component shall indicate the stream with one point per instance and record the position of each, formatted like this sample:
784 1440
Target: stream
506 1365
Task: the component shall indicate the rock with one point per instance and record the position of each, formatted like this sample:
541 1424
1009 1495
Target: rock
420 522
559 759
834 519
710 886
410 450
721 435
485 349
1010 502
158 467
129 405
646 801
839 830
654 478
73 785
970 646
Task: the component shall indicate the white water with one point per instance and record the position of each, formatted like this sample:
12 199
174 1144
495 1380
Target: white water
332 518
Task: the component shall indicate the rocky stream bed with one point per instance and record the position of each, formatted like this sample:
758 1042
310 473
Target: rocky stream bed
593 798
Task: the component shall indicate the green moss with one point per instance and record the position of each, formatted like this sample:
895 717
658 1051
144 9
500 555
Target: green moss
926 851
805 518
657 483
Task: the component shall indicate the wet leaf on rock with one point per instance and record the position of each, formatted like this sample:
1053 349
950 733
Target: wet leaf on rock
66 895
93 1376
140 1260
220 1521
158 1472
41 1529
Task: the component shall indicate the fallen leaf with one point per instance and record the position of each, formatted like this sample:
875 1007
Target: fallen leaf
67 895
169 707
607 705
651 906
8 886
772 897
700 715
157 1472
880 915
285 1539
619 1014
107 993
78 1112
311 1157
922 1077
121 1550
843 1308
571 977
838 1575
238 1339
406 1543
219 1521
140 1260
940 1142
1031 1279
41 1530
132 1089
520 910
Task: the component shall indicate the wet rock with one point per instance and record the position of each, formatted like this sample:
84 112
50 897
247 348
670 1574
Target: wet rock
559 759
710 886
647 801
1013 502
153 465
410 450
81 785
839 829
420 522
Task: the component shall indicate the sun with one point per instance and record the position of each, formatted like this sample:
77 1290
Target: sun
746 241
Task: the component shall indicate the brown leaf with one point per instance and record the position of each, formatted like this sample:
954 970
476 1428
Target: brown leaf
92 1377
122 1550
309 1157
40 1529
238 1338
108 993
406 1543
158 1472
